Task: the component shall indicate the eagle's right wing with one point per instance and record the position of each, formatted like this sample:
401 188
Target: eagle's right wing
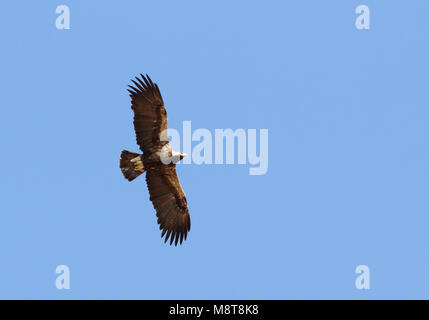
170 203
150 116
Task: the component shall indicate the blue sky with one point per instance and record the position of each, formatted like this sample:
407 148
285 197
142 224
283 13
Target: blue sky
347 183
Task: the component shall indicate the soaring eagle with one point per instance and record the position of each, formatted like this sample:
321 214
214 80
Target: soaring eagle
158 160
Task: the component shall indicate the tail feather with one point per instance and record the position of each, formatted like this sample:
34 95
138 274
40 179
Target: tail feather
131 165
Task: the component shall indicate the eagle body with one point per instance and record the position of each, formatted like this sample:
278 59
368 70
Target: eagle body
166 193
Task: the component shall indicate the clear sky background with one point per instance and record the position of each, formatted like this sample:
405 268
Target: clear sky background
347 184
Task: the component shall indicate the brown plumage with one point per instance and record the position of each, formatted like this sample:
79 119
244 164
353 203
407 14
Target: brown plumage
131 165
166 193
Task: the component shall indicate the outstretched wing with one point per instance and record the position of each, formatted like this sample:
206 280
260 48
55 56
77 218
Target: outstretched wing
150 116
169 201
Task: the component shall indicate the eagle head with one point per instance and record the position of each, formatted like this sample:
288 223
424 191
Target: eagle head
177 156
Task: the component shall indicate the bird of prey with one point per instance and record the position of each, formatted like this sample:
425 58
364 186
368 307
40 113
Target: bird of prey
158 160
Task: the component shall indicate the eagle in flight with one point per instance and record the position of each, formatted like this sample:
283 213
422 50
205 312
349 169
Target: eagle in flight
158 160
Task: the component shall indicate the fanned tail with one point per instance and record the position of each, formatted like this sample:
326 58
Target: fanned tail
131 165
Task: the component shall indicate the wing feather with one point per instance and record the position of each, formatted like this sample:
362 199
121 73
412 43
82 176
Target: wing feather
169 201
150 116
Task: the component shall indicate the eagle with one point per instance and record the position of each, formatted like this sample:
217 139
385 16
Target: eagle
158 160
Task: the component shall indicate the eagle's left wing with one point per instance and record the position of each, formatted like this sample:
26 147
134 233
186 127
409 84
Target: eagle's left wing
169 201
150 116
